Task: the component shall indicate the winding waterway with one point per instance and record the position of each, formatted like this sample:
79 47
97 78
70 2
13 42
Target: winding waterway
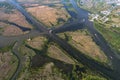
98 38
80 57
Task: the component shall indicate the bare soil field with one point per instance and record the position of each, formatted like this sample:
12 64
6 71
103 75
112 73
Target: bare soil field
10 22
11 30
114 20
50 16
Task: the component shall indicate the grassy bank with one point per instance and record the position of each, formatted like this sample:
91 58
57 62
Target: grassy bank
110 34
82 41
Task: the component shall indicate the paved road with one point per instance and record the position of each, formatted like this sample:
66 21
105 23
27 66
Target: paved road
68 48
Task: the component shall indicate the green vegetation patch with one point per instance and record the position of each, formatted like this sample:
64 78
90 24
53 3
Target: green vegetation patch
8 8
91 77
57 53
27 55
5 49
5 5
37 43
8 65
111 35
82 41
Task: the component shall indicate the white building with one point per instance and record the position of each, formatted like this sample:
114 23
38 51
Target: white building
105 12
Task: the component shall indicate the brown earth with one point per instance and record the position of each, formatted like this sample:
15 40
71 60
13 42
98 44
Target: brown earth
84 42
14 17
56 53
48 15
39 1
37 42
11 31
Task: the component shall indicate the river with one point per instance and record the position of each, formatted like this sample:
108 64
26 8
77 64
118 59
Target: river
98 38
80 57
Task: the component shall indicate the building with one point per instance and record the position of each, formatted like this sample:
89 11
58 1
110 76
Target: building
105 12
